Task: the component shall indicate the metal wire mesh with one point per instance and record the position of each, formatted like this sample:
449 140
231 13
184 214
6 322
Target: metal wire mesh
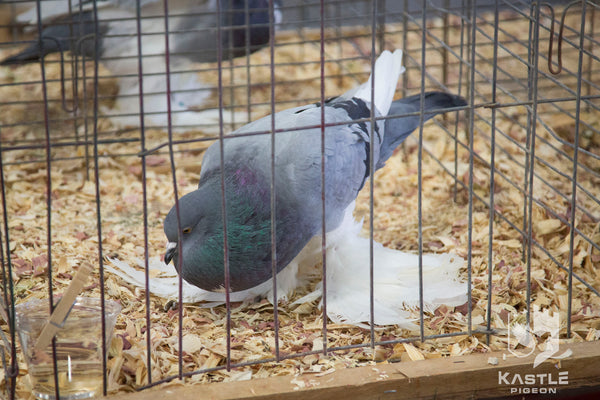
529 135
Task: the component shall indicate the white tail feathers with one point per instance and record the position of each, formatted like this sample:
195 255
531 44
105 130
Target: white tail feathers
395 283
388 68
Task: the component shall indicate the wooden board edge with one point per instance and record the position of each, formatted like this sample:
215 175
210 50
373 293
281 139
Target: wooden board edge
470 376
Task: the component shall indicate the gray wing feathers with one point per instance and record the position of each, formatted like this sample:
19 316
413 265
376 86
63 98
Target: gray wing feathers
298 159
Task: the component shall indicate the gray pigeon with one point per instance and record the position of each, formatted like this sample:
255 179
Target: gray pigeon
192 39
196 241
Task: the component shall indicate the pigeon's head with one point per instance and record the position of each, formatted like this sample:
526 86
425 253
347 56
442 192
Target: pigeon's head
252 17
197 238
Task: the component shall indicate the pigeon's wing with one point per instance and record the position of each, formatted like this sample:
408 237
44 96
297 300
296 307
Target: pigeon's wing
298 155
348 138
297 185
248 140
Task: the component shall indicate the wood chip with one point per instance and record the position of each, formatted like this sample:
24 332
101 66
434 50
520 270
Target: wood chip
413 352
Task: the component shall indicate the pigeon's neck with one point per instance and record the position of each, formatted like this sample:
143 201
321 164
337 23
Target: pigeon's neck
247 238
248 218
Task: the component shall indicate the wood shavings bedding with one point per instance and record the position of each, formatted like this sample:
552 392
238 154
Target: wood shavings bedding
444 227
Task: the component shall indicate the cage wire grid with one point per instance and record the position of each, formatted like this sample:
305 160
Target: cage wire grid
510 183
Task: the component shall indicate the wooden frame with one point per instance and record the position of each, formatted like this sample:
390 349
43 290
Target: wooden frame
471 376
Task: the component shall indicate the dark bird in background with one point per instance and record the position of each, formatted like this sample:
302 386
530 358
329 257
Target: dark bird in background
196 238
192 39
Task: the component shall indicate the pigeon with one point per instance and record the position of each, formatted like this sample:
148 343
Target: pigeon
194 227
245 28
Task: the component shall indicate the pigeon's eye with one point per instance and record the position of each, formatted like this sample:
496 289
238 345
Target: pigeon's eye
187 230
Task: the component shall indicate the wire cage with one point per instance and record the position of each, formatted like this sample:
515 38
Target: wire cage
98 142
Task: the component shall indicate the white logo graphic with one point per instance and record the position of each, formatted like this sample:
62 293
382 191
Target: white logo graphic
543 323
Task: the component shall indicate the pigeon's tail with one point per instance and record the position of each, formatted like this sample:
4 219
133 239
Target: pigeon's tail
35 52
395 282
399 128
388 68
30 54
67 34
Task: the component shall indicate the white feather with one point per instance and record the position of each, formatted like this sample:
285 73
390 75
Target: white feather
120 57
186 88
396 274
388 68
395 284
165 283
395 279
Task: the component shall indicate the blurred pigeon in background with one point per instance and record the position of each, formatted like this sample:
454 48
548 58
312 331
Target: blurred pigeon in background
192 26
196 241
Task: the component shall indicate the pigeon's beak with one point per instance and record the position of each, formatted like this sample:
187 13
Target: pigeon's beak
171 250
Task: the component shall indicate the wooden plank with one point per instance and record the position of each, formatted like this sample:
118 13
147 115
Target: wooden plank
470 376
